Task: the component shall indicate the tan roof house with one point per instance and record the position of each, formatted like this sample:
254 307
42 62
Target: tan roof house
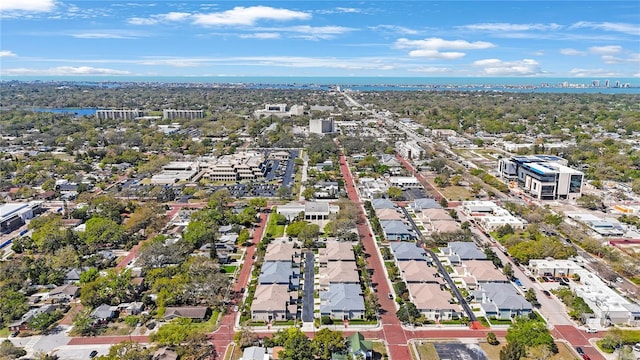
432 301
336 251
272 302
416 271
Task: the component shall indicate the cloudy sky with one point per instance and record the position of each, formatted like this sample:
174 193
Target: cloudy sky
587 39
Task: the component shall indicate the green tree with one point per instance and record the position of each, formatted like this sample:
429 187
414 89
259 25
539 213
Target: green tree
507 270
309 193
492 339
128 350
327 342
13 305
530 296
308 234
43 321
101 231
530 333
395 192
83 323
513 351
297 346
10 351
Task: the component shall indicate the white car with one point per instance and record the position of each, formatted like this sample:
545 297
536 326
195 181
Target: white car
591 330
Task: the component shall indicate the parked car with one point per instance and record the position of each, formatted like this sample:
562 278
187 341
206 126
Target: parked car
579 350
548 294
591 330
585 357
15 333
619 279
93 354
390 295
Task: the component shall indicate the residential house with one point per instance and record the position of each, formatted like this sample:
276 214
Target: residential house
191 312
382 204
255 353
345 272
281 251
342 301
357 347
405 251
396 230
474 272
104 313
273 302
423 204
165 353
418 271
64 293
132 308
501 301
458 251
280 273
23 322
336 251
388 214
433 301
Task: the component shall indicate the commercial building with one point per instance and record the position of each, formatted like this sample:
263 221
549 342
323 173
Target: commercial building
119 114
14 215
410 150
544 177
171 114
322 126
242 166
176 171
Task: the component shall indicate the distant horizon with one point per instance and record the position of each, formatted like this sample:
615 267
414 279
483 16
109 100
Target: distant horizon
342 80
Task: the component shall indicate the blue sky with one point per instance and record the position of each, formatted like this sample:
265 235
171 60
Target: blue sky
584 39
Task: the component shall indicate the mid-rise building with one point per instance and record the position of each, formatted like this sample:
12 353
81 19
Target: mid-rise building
13 215
322 126
171 114
544 177
123 114
410 150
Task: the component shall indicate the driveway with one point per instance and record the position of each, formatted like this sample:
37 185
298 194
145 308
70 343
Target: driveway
307 297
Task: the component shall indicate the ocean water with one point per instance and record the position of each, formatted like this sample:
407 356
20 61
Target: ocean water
506 84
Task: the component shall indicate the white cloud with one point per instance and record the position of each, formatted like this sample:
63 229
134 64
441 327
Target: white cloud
142 21
577 72
438 44
65 70
435 54
7 53
263 35
632 58
605 50
176 16
502 27
317 32
432 70
155 19
340 10
633 29
106 35
497 67
27 5
394 29
430 48
239 16
572 52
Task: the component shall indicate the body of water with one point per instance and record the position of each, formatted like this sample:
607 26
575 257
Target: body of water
531 84
70 111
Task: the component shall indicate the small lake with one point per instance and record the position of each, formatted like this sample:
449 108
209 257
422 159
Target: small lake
70 111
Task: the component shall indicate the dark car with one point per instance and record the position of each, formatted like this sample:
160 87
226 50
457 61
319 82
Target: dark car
548 294
579 350
93 354
586 357
15 333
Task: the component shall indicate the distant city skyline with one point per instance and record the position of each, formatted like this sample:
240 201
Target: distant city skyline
591 40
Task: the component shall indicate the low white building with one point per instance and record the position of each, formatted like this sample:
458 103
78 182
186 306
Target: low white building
404 182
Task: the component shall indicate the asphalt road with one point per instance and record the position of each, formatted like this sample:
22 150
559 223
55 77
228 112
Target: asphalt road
307 297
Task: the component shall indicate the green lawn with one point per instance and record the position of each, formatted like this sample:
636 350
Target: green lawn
426 350
273 228
229 269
